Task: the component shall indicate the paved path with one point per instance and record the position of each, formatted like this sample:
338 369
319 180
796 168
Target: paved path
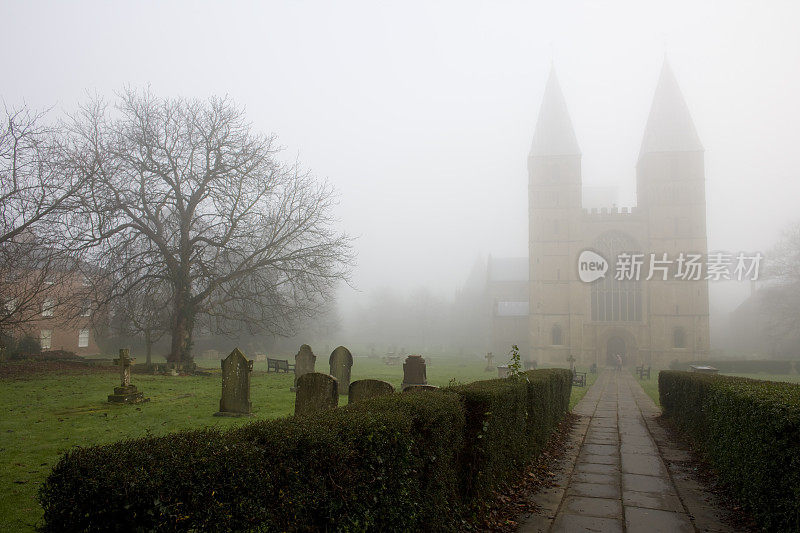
616 477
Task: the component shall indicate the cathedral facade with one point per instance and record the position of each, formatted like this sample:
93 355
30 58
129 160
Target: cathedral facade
651 321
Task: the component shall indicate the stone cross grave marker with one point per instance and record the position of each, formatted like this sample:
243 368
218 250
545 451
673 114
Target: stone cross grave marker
414 372
368 388
235 400
304 362
341 362
315 392
126 393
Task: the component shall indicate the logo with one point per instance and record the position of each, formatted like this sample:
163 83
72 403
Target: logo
591 266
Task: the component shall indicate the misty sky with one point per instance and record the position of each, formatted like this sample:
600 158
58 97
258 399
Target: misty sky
422 113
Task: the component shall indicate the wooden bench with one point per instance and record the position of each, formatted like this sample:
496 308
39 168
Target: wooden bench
392 360
279 365
579 378
641 371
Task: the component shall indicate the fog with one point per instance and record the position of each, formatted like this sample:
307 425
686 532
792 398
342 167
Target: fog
422 115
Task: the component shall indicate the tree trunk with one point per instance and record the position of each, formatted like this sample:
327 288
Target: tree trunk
182 325
148 343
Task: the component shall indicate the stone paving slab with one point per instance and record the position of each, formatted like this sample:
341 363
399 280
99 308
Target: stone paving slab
568 523
623 473
642 520
600 507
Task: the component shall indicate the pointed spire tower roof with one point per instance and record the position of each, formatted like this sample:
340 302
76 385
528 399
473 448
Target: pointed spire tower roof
554 134
669 127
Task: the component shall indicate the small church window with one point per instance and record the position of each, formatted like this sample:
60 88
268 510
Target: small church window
556 335
679 338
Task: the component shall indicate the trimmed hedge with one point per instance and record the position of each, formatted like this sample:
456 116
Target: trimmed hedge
750 432
394 463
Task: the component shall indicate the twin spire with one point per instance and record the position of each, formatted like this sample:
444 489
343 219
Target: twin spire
554 134
669 126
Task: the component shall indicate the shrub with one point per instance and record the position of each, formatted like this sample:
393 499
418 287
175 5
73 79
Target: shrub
750 432
508 421
400 462
17 348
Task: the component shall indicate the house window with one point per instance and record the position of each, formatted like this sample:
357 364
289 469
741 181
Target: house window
556 335
86 308
47 307
46 339
83 338
679 338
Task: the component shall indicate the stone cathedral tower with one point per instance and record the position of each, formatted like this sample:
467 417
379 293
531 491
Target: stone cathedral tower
651 321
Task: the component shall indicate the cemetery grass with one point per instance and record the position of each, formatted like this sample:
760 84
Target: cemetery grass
579 392
45 414
650 386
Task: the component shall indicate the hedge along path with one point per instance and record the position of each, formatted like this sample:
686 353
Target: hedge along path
749 430
620 474
399 462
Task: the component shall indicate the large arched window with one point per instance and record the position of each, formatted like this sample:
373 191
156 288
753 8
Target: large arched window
616 300
679 338
555 335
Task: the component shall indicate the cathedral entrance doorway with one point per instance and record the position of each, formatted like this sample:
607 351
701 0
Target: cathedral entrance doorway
616 345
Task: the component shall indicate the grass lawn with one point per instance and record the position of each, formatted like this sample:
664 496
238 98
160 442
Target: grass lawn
45 414
580 392
650 386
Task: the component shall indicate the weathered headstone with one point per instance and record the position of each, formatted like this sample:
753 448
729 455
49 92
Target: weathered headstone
489 362
502 371
414 371
419 388
341 361
235 400
126 393
368 388
304 362
315 392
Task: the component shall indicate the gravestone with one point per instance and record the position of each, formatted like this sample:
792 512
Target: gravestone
368 388
489 362
341 361
502 371
315 392
235 400
414 371
419 388
126 393
304 362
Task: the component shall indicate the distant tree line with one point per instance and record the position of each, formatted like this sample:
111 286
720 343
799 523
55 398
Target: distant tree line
421 322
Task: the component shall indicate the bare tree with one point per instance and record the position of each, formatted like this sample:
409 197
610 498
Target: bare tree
780 300
143 310
191 197
37 195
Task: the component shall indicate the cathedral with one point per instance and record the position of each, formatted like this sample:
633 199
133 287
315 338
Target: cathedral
543 304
